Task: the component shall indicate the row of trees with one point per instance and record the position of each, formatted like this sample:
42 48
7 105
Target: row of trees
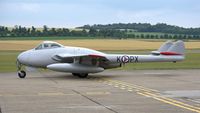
19 31
162 36
146 27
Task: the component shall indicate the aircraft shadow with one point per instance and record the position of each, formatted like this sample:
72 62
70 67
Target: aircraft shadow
67 76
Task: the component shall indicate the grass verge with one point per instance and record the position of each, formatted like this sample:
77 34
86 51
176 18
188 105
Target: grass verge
8 60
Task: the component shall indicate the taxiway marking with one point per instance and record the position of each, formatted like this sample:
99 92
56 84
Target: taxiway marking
151 93
170 101
51 94
56 94
97 93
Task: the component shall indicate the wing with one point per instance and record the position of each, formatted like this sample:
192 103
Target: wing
65 56
69 58
97 60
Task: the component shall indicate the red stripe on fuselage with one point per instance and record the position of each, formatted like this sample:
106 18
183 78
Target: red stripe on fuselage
169 53
95 56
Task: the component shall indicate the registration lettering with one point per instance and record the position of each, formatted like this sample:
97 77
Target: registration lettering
127 59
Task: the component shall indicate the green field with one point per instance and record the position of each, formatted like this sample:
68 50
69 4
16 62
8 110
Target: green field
8 60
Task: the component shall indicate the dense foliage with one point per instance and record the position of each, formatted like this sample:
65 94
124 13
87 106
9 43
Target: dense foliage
19 31
146 27
134 30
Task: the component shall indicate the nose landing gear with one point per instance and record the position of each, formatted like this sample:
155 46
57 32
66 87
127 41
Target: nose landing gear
21 73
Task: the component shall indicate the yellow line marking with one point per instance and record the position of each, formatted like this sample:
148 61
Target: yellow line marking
143 94
175 101
130 89
97 93
116 86
152 93
131 85
170 101
51 94
122 86
178 105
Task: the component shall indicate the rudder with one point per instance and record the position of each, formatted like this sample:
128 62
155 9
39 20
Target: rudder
178 48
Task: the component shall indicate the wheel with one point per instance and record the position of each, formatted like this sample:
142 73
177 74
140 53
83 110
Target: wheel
82 75
22 74
75 74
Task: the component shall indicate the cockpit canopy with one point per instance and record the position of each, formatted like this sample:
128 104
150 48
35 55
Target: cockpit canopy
48 45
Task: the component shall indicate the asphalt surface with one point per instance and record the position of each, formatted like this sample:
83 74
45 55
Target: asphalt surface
113 91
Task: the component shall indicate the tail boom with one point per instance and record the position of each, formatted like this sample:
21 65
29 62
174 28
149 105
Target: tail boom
168 52
144 58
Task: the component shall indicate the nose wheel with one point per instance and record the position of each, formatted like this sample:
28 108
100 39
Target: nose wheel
21 74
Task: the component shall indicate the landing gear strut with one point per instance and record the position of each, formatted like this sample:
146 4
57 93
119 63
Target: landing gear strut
21 73
80 75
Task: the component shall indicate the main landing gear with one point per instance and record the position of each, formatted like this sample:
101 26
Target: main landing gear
80 75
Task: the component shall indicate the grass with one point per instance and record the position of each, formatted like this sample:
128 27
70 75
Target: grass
10 49
8 60
97 44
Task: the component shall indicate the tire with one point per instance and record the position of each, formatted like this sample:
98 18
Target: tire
22 74
82 75
75 74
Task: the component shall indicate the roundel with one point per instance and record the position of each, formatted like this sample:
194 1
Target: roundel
125 59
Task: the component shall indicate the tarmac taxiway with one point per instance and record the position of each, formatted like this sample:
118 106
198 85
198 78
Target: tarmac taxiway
112 91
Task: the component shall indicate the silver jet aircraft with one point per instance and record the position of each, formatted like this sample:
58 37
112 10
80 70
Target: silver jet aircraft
82 61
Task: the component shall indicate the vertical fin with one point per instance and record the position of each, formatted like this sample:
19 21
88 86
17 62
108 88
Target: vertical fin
178 47
165 46
171 48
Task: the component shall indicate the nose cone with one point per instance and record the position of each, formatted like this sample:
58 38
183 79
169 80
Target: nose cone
23 57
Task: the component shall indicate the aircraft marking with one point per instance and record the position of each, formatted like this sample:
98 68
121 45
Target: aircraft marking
127 59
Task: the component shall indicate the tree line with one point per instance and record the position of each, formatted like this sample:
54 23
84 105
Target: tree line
162 36
92 31
19 31
146 27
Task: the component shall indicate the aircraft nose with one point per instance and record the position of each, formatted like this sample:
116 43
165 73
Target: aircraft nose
23 58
